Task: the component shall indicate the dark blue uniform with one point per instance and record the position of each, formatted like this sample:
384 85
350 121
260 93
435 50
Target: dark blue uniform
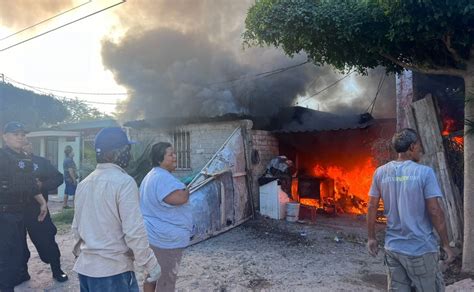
42 233
17 187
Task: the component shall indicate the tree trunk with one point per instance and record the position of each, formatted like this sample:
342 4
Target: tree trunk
468 246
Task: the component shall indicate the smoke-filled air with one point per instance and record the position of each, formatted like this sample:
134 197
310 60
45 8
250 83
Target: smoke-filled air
186 58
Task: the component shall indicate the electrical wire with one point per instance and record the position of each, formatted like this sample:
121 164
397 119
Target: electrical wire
379 88
61 26
46 20
257 76
327 87
56 96
260 75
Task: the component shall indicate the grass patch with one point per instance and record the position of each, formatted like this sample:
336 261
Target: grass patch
63 220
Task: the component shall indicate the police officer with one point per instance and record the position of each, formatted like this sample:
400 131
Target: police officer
42 233
17 186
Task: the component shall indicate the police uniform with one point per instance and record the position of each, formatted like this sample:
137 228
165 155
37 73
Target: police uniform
42 233
17 187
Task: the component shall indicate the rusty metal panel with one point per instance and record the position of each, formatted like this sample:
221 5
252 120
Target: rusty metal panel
219 196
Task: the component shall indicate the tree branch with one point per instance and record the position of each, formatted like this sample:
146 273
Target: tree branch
447 42
436 70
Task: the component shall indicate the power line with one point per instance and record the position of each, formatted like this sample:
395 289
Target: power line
56 96
46 20
257 76
41 89
260 75
327 87
59 27
379 87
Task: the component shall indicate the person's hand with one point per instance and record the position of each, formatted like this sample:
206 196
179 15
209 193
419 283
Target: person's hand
154 274
373 247
43 212
450 255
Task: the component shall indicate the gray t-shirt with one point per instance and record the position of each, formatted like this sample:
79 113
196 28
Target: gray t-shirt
404 187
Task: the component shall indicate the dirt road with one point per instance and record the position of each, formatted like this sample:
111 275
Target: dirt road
260 255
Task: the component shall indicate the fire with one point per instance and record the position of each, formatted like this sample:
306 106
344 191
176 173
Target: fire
343 190
449 126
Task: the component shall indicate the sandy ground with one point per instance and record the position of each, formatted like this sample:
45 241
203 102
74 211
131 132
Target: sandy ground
260 255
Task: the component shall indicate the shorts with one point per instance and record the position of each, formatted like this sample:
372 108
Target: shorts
70 189
419 271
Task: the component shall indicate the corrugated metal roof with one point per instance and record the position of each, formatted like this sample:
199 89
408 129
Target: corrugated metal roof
299 119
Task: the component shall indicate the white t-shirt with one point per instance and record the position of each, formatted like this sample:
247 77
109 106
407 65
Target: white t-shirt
167 226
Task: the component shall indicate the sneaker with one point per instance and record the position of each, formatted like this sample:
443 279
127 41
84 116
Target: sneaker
59 275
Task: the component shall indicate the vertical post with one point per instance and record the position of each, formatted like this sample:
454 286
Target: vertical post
405 96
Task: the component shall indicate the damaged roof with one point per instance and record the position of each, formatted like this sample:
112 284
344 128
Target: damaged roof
287 120
300 119
165 122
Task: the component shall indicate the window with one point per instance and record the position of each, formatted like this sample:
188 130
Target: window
182 146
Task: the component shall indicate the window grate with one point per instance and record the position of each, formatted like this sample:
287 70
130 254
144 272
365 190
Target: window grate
182 146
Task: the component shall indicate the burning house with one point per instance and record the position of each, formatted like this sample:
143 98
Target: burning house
334 157
222 159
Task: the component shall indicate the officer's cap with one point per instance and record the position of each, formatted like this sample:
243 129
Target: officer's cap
111 138
14 127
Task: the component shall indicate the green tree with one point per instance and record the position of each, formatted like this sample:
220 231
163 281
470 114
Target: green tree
428 36
32 109
81 111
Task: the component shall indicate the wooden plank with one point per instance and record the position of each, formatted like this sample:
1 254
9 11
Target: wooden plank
428 127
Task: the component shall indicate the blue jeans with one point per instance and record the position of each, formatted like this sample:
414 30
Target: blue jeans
125 282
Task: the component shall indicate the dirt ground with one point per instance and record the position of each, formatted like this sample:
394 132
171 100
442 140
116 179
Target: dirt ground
260 255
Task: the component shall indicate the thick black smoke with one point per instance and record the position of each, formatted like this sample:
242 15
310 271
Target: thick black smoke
185 58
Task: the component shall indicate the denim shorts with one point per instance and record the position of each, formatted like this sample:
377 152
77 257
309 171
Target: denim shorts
124 282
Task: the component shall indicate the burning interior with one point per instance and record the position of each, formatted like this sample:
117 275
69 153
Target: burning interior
332 169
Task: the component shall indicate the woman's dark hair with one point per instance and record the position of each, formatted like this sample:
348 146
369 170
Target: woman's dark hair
67 150
403 139
158 152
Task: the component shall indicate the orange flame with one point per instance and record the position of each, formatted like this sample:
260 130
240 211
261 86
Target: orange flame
449 126
351 187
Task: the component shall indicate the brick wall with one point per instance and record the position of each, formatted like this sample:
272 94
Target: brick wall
267 146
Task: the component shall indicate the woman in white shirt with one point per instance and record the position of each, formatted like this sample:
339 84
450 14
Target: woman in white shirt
167 215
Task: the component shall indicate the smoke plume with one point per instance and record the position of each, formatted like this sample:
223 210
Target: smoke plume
186 58
20 14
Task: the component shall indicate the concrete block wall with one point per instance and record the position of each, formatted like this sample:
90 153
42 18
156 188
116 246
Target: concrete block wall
205 140
267 146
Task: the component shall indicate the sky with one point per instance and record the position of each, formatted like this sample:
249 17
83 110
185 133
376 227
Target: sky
67 59
167 56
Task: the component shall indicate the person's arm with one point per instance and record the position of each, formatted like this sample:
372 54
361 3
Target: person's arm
132 225
178 197
52 179
73 175
76 249
43 207
372 244
436 214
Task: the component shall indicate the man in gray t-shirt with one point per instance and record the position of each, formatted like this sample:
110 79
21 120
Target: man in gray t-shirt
410 194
